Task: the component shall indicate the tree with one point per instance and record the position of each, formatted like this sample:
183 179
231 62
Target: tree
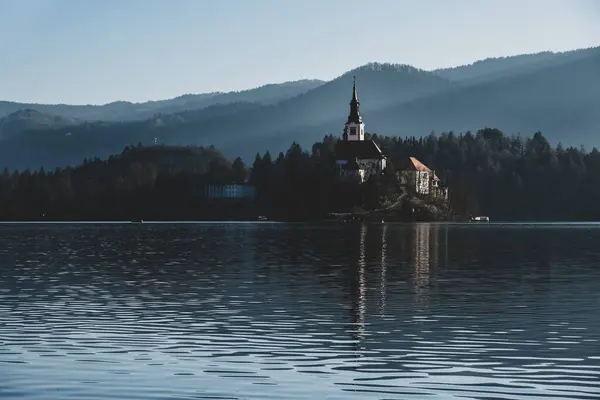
238 171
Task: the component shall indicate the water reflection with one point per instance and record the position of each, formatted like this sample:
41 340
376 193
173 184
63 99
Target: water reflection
295 311
421 257
359 302
382 279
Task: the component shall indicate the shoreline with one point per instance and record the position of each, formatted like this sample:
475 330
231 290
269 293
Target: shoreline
308 222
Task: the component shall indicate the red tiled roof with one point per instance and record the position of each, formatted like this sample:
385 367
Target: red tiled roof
419 166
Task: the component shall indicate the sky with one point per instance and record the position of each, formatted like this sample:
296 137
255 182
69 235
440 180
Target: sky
99 51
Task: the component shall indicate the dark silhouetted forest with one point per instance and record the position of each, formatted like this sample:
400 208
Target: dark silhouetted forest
505 177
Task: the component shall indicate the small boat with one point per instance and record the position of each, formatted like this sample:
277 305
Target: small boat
137 221
262 218
479 219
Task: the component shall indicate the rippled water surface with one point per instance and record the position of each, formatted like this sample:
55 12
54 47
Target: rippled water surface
275 311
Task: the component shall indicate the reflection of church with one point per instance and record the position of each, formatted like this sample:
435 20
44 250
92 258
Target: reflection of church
421 248
358 159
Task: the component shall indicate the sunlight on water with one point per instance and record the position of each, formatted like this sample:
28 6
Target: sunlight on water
275 311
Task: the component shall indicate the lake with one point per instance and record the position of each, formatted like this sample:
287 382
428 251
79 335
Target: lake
292 311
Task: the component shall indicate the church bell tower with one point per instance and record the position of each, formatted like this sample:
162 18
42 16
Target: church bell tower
354 128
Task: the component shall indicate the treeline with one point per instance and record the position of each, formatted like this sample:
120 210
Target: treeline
509 177
487 172
157 182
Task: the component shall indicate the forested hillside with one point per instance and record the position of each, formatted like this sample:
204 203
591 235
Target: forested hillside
558 94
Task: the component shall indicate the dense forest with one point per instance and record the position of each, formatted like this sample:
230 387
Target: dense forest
487 172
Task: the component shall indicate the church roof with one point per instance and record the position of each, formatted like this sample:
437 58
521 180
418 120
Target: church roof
418 165
357 149
354 116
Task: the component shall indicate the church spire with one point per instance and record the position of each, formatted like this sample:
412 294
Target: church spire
354 116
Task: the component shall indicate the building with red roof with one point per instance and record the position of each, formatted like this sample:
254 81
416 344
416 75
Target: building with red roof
419 179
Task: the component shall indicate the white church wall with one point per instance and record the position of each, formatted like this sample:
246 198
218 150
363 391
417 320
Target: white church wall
359 130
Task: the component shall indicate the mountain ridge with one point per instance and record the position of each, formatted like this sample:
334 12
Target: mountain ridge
559 98
29 119
490 66
121 110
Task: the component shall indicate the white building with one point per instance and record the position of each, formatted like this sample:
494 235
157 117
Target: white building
229 191
358 159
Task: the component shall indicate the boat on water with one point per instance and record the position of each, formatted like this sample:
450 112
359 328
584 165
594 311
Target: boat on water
262 218
137 221
479 219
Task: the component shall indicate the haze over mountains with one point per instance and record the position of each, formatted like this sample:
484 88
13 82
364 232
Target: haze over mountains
556 93
127 111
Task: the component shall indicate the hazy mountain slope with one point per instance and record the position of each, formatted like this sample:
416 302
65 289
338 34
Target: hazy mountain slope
126 111
70 145
561 100
495 68
265 95
25 120
226 125
377 85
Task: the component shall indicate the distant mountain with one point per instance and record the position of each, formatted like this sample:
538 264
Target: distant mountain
378 85
498 67
227 124
562 100
31 120
126 111
559 96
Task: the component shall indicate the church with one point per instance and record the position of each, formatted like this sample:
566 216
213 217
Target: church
358 159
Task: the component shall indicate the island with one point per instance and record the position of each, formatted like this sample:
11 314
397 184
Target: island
356 176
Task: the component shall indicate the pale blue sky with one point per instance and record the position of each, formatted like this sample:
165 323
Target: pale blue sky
97 51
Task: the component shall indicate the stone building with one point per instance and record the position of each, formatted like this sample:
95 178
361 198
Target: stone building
421 180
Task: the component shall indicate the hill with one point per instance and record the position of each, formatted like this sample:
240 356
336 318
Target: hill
498 67
226 124
31 120
560 98
155 182
127 111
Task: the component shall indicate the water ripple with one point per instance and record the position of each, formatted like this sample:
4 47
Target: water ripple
226 311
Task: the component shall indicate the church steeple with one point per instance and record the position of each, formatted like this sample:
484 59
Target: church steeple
354 116
354 129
